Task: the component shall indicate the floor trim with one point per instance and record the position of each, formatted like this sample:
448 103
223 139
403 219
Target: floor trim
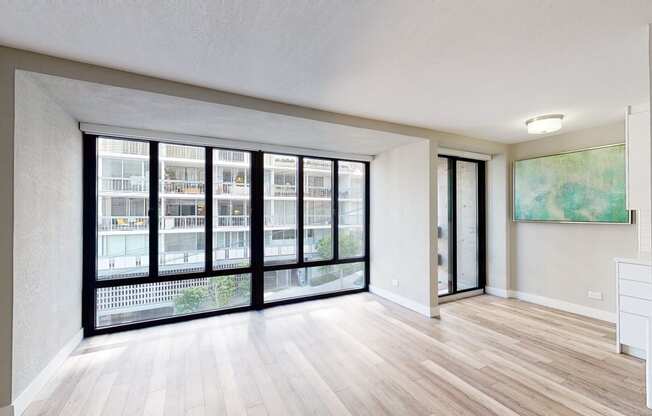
554 303
458 296
430 312
501 293
29 394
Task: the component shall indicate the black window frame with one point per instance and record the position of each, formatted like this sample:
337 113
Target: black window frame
256 268
452 225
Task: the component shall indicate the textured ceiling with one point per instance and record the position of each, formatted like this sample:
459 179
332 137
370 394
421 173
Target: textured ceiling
122 107
473 67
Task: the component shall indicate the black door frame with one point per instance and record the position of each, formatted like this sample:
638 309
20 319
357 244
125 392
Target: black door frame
256 268
452 224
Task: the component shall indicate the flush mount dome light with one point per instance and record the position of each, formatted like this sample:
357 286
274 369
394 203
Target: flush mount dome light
544 124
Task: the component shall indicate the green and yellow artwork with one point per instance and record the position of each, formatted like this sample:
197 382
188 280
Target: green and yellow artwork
581 186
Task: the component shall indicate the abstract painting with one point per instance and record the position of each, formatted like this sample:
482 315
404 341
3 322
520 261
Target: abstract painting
580 186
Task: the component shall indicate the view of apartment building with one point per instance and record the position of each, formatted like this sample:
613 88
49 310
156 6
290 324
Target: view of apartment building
123 226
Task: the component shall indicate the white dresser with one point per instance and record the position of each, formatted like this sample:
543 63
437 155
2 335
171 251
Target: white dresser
634 300
634 306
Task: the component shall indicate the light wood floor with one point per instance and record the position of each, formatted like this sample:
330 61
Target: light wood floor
355 354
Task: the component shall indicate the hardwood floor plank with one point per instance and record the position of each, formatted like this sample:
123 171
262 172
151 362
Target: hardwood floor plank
475 394
355 355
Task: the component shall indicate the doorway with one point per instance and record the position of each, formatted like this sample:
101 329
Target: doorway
460 225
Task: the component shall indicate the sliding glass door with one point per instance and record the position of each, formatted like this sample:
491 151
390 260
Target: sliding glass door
460 225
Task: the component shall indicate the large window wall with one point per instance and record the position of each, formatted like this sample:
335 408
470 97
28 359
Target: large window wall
230 230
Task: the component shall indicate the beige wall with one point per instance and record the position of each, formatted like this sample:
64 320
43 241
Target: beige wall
402 204
6 225
399 218
498 224
47 264
565 261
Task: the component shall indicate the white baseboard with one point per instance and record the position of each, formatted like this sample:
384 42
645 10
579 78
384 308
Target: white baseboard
429 311
7 411
30 393
555 304
501 293
633 351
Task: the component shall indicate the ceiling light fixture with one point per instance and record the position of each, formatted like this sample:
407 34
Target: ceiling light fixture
548 123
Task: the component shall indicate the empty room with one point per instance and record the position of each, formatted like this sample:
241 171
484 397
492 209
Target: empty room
302 207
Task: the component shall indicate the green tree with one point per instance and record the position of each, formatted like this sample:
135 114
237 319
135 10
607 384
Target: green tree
190 300
349 246
224 289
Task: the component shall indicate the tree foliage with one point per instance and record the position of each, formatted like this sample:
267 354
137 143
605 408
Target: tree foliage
349 246
224 288
190 300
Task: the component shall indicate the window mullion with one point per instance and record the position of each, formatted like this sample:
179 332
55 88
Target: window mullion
208 209
452 227
257 232
153 209
335 211
89 221
299 237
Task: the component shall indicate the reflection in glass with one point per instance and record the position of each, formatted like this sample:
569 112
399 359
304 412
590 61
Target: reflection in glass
294 283
443 271
467 225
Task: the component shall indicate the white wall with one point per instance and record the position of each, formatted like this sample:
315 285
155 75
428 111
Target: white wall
404 202
565 261
47 260
403 222
497 213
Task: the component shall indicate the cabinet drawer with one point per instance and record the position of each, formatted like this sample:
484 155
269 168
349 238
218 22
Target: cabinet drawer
633 330
636 289
636 272
637 306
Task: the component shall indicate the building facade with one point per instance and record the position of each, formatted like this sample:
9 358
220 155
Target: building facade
123 225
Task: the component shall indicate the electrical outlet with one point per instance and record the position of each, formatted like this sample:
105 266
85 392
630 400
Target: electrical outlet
595 295
395 283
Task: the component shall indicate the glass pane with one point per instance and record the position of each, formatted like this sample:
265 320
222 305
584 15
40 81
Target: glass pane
182 210
317 209
122 205
135 303
443 271
231 209
467 225
280 209
293 283
351 189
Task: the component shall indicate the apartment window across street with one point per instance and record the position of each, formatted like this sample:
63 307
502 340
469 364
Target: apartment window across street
228 230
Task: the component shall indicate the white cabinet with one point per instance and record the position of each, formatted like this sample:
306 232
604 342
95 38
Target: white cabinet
637 141
634 287
634 324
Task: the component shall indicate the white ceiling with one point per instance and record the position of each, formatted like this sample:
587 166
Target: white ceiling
123 107
473 67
